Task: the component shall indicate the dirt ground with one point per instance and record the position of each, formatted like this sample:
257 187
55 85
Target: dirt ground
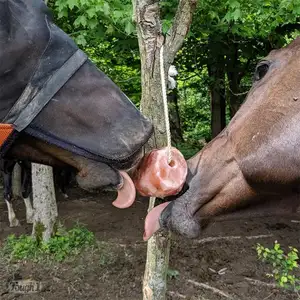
118 272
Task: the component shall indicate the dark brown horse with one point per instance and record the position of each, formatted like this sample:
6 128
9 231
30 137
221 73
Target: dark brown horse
253 165
62 110
88 123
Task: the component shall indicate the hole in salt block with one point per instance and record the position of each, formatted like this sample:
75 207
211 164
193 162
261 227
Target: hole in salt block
172 163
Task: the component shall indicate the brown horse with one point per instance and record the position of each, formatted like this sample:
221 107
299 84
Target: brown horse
253 165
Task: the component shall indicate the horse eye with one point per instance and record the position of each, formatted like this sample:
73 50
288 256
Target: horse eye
261 71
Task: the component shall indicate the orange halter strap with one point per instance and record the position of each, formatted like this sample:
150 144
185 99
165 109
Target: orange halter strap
5 132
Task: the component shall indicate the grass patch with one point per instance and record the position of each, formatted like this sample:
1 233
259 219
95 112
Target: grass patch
106 254
64 244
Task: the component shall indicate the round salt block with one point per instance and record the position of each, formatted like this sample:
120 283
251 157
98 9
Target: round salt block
155 177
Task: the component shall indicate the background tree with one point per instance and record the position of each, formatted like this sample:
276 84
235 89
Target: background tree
44 201
215 65
151 40
227 39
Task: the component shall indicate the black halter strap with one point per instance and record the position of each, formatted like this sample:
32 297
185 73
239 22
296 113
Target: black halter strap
30 103
25 110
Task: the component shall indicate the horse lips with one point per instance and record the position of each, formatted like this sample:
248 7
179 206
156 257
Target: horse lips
155 177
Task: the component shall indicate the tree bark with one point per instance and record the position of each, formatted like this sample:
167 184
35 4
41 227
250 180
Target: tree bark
234 78
44 202
175 123
218 99
216 72
151 39
235 100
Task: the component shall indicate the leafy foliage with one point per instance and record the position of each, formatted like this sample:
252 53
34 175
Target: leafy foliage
64 244
230 36
92 20
284 265
195 115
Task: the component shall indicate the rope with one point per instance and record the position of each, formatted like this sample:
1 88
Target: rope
167 122
165 102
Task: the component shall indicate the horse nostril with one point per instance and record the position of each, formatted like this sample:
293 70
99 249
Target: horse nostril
295 98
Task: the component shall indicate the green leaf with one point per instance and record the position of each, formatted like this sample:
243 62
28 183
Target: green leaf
92 23
63 13
91 12
129 28
233 3
236 14
72 3
166 25
106 9
81 20
80 40
110 29
118 14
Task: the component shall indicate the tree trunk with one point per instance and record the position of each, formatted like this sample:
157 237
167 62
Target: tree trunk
151 39
216 72
44 202
234 78
155 276
218 99
16 181
235 100
175 123
150 42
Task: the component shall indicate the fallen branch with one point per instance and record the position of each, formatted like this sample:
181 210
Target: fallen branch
268 296
217 238
177 295
261 283
208 287
230 238
262 236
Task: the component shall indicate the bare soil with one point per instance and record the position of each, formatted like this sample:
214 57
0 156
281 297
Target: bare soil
117 271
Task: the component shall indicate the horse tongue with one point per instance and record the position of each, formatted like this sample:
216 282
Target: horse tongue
152 220
126 195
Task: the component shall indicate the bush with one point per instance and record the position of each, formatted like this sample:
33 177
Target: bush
64 244
284 265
